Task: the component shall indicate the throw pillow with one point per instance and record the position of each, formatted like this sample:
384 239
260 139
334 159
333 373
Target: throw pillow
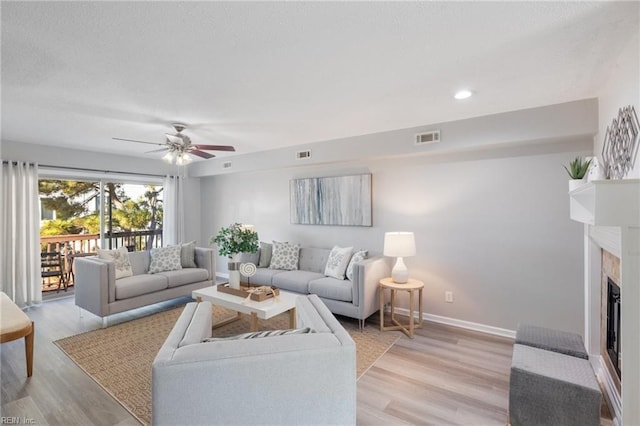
188 255
265 254
120 258
357 257
259 334
165 259
338 262
284 256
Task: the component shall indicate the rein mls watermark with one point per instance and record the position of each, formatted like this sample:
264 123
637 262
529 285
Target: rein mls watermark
17 421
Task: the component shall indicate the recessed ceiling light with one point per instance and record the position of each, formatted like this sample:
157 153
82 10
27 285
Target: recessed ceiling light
463 94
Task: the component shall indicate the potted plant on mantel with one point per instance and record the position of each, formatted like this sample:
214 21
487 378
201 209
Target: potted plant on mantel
577 170
232 241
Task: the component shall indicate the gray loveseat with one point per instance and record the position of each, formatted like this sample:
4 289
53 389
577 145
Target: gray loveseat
356 298
98 291
293 379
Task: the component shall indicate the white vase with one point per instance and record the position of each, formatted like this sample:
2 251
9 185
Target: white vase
576 183
234 271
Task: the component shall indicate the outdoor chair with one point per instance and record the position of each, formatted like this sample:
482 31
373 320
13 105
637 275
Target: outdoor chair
51 266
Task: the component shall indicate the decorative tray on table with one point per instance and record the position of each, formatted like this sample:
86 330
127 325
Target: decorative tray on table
257 293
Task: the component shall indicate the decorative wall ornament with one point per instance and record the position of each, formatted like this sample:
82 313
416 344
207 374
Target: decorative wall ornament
342 200
621 142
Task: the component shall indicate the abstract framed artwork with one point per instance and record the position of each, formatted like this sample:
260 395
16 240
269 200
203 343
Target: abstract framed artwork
341 200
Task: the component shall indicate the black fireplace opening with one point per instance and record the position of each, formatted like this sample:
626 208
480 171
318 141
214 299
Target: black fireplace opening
613 325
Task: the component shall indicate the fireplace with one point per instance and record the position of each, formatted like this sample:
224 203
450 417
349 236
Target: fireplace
609 210
613 325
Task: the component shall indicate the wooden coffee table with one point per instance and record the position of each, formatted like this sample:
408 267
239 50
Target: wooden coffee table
286 302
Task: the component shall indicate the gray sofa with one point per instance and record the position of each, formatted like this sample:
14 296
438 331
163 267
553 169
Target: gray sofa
357 298
97 290
291 379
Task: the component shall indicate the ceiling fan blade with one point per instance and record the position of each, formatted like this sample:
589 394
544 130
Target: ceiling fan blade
132 140
201 153
216 147
174 139
156 150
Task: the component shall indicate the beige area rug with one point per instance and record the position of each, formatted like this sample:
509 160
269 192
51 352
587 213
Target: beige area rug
119 357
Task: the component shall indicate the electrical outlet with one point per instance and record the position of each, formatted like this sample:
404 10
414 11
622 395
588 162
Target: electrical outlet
448 296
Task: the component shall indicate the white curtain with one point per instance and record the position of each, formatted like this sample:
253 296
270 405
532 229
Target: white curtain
20 233
173 211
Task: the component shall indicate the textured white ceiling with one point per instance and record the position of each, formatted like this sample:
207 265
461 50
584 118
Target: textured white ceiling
266 75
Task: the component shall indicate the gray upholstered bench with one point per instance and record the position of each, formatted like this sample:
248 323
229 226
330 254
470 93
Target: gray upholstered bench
552 340
550 388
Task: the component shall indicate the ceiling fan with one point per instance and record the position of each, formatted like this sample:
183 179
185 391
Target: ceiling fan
178 147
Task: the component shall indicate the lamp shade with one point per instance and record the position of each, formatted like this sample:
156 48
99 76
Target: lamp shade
399 244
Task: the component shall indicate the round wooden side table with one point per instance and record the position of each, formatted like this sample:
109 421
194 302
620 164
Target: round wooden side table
410 286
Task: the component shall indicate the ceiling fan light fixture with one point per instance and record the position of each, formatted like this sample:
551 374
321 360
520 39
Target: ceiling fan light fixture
170 156
183 159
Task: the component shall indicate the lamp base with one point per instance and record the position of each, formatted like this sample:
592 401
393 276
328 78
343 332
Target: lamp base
399 273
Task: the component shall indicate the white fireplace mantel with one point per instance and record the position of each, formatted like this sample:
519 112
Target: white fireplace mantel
610 210
607 203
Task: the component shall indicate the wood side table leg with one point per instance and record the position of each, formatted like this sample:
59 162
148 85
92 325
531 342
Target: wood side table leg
420 307
254 321
393 304
381 296
411 320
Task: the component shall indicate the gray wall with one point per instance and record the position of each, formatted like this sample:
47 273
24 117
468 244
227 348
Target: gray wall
491 225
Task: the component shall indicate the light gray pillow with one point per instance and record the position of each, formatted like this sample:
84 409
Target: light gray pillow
337 262
165 259
265 254
284 256
188 255
357 257
259 334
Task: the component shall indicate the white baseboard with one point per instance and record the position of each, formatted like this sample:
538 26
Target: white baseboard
483 328
609 388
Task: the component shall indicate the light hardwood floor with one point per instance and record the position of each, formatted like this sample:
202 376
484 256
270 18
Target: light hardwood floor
444 375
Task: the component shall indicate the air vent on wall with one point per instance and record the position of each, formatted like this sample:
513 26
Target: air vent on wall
226 165
301 155
428 137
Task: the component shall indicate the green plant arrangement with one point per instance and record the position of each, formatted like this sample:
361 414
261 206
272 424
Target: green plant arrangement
578 168
237 238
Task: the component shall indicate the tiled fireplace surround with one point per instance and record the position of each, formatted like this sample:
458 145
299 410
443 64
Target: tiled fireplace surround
610 212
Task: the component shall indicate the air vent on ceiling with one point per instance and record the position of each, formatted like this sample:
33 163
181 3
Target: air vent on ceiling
301 155
226 165
428 137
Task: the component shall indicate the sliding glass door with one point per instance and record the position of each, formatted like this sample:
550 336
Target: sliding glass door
78 216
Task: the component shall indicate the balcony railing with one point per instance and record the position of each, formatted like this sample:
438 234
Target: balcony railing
76 245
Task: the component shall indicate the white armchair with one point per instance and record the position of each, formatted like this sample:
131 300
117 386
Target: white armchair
290 379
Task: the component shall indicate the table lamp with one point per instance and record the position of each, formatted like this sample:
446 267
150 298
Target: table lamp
399 244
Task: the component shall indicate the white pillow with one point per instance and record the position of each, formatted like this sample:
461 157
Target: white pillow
165 259
338 261
121 259
357 257
284 256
